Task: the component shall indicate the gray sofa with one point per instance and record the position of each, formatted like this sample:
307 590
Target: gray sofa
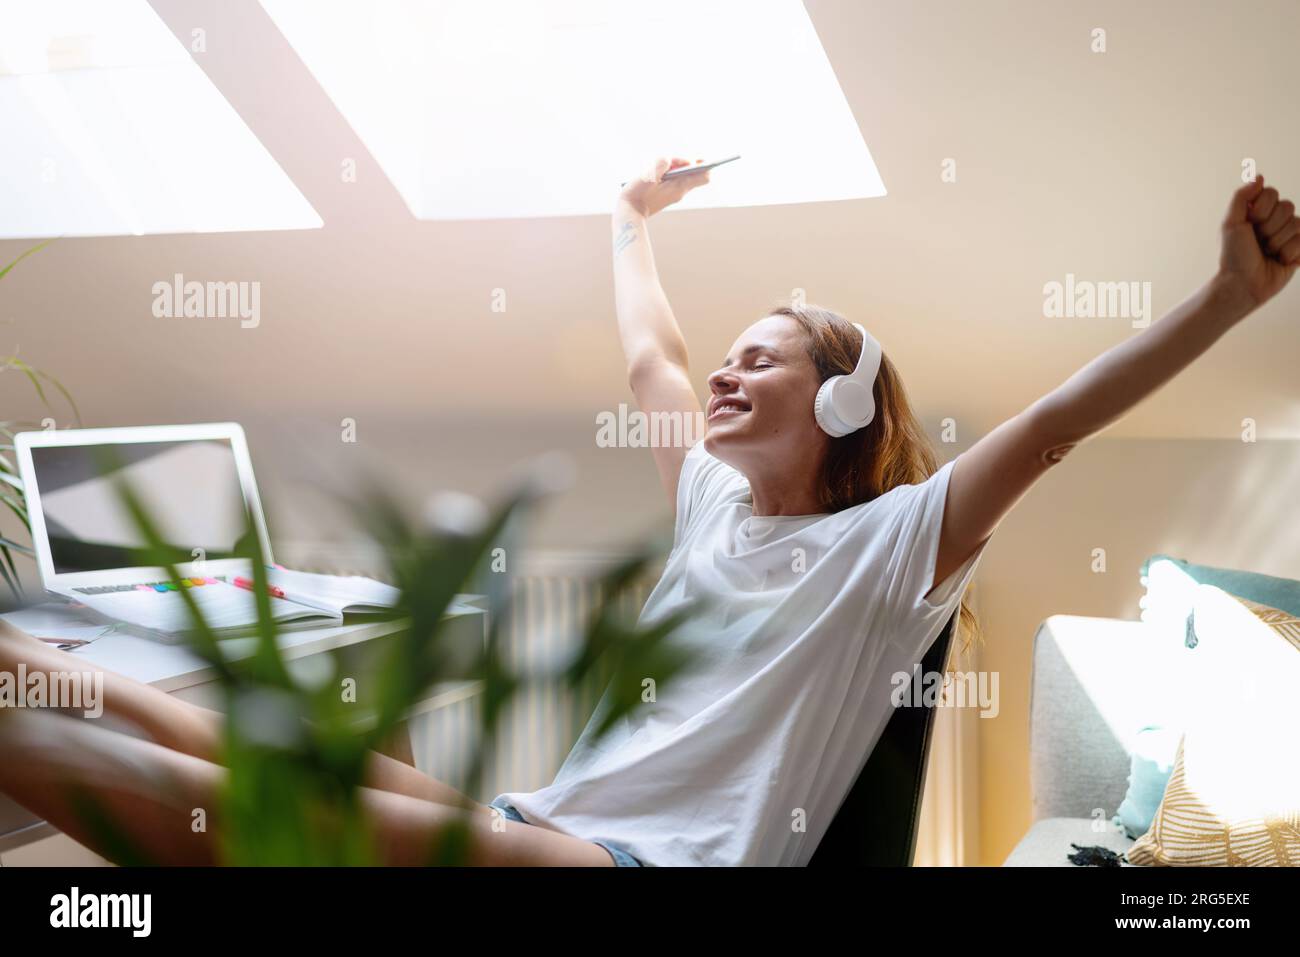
1095 682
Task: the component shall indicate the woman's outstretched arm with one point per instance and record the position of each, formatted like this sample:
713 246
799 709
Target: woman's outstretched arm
1260 254
652 341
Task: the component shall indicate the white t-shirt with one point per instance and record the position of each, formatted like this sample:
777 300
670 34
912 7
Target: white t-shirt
745 758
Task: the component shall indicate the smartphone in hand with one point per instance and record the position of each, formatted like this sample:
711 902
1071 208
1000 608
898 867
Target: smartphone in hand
697 167
694 168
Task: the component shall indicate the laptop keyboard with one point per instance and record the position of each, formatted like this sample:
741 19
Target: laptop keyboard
147 586
222 605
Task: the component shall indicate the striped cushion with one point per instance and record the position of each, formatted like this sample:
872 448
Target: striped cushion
1233 798
1187 833
1283 622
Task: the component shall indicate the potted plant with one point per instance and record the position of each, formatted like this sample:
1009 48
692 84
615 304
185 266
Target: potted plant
11 486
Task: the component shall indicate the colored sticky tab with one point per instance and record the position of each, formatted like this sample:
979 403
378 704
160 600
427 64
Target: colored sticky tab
161 587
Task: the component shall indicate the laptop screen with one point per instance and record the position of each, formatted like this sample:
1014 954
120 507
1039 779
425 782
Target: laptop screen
190 489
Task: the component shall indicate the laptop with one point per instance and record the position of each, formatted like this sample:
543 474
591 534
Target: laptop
196 483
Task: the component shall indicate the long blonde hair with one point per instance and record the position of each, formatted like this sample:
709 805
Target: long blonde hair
892 450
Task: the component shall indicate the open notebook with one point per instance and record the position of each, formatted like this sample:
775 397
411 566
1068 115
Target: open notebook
308 599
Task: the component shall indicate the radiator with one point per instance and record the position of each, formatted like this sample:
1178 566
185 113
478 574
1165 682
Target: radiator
551 598
541 723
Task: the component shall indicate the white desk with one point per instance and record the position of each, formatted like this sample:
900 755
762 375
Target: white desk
178 671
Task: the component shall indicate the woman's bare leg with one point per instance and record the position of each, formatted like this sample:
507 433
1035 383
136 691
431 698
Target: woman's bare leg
169 721
189 729
149 794
408 832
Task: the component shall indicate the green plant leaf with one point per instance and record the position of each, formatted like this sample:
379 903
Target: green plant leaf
157 553
17 507
15 587
37 248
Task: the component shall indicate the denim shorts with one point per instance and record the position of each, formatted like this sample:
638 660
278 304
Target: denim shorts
621 857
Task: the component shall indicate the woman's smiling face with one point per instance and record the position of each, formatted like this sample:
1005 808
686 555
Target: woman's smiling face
761 401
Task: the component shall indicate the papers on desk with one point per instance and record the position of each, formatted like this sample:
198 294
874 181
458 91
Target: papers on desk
61 622
337 595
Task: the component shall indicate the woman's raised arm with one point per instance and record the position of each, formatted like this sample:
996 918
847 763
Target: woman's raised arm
652 341
1260 254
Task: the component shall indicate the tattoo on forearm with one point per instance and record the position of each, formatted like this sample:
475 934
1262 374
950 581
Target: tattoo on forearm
626 237
1052 456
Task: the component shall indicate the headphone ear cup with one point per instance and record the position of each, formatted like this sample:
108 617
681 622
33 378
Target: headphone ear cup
846 403
871 410
823 409
843 406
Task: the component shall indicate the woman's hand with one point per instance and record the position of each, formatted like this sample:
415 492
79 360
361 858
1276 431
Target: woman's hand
649 192
1261 244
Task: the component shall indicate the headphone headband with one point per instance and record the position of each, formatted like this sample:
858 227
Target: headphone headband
868 366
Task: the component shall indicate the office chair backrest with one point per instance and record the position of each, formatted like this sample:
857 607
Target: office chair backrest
877 823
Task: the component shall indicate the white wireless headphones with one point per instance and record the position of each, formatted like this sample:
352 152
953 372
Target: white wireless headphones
844 402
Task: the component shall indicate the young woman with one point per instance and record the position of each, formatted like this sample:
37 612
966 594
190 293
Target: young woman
828 548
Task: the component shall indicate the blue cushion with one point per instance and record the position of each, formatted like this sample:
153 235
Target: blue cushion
1150 765
1283 593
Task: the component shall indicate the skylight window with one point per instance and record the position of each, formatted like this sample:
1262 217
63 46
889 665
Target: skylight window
519 108
111 128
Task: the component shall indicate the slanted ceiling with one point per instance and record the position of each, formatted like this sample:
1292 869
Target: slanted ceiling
1109 166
